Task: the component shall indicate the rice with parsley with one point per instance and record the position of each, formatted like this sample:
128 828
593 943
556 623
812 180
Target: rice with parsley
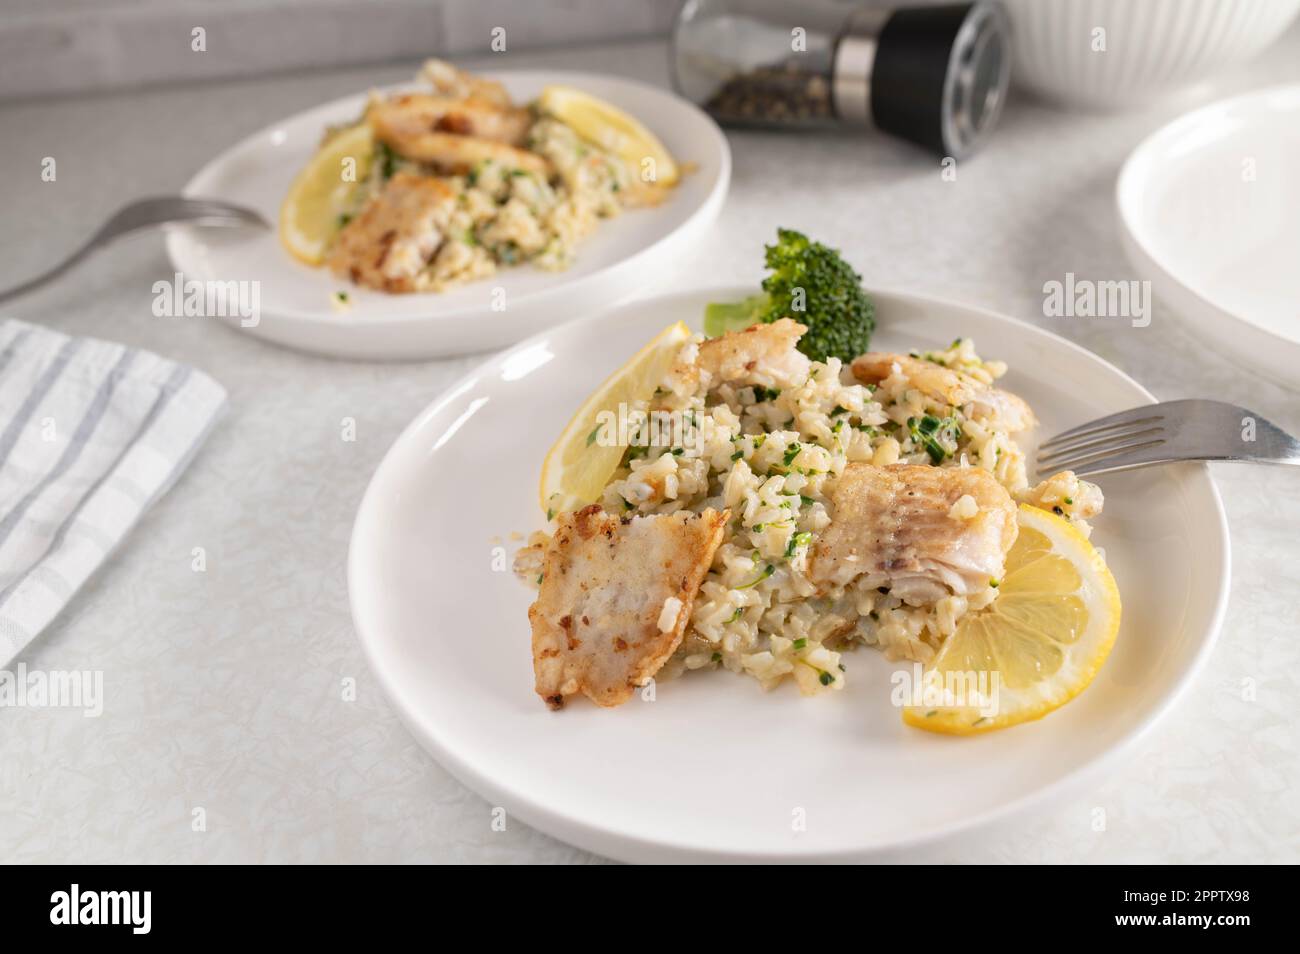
766 452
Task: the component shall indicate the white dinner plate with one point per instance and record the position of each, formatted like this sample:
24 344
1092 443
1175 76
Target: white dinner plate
620 257
714 768
1209 208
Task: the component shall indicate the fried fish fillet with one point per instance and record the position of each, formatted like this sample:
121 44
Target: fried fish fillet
948 386
903 527
760 354
615 598
458 84
392 240
452 148
410 114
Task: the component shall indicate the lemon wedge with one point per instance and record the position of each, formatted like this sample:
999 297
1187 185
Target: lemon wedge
309 215
1044 637
613 130
580 464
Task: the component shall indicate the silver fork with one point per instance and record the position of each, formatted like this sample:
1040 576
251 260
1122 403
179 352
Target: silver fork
1162 433
145 213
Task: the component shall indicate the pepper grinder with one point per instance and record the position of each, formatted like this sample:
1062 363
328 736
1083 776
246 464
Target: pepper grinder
934 75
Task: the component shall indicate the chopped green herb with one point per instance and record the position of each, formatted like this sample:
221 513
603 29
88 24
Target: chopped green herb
826 678
767 571
797 540
1069 501
550 513
739 454
801 642
740 611
716 657
930 433
387 161
791 453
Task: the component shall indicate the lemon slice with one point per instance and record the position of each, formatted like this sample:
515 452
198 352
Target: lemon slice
579 466
1044 637
309 215
611 129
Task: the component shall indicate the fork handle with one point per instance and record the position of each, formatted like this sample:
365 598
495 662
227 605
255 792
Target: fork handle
9 294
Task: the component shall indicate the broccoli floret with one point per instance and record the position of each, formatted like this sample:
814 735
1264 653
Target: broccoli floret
813 285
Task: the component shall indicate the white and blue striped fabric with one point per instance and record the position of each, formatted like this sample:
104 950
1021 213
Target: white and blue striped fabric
91 434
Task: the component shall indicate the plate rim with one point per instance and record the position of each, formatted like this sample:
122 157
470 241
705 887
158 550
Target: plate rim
1135 169
631 847
701 216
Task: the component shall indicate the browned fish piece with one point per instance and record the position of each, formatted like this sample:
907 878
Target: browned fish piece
947 386
448 150
760 354
615 598
391 242
410 114
458 84
896 526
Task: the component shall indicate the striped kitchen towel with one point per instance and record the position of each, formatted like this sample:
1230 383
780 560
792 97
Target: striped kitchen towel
91 434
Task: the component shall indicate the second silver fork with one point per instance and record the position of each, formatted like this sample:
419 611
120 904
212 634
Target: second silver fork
144 213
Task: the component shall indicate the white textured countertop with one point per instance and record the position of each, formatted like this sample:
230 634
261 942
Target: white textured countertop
224 690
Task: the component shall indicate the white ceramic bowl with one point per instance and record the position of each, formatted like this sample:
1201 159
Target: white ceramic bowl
1153 47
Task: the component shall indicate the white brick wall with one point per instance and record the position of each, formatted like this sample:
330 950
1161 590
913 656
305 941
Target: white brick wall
49 47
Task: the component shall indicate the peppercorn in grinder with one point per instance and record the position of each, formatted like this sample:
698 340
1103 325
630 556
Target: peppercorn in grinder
934 75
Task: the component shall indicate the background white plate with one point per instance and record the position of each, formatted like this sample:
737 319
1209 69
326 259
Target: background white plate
620 257
1210 213
715 768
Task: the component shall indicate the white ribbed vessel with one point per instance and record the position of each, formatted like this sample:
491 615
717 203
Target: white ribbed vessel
1152 47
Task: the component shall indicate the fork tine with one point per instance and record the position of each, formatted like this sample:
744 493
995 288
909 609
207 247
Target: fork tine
1133 416
1129 460
1088 459
1100 444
